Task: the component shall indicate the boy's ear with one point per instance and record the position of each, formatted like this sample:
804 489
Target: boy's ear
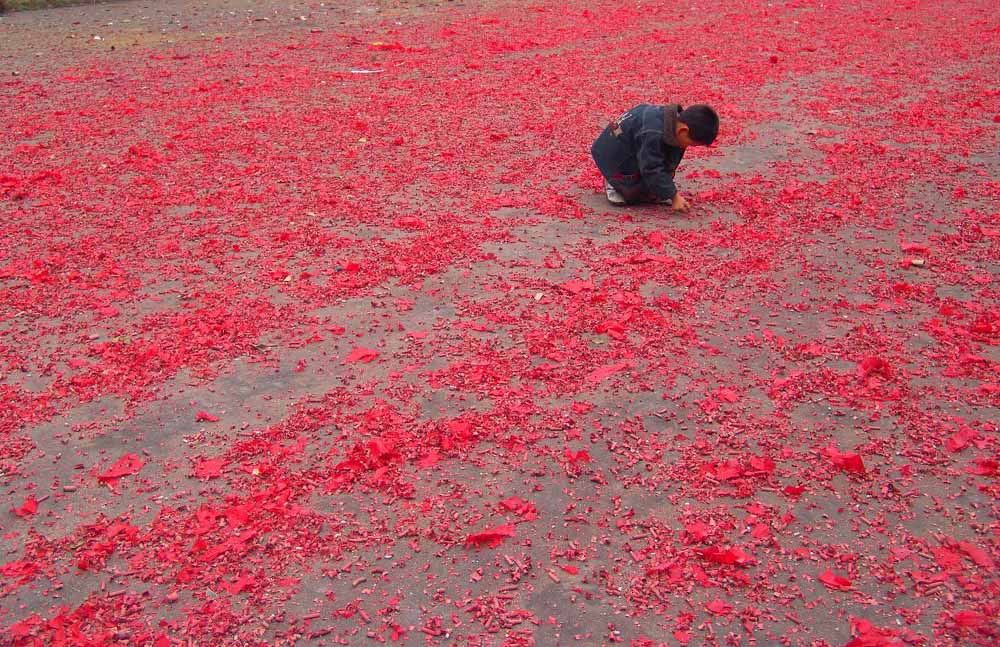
681 127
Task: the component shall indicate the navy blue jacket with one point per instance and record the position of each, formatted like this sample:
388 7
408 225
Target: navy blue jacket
641 147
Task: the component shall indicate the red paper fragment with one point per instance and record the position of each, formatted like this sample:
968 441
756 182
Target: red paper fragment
603 372
27 509
126 465
698 531
203 416
985 467
762 464
429 459
209 468
491 538
726 395
874 366
577 286
239 585
914 248
976 554
835 582
970 619
719 607
794 491
361 354
960 439
846 461
520 507
727 556
868 635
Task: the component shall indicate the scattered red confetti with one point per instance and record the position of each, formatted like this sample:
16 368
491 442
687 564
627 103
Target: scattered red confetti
663 405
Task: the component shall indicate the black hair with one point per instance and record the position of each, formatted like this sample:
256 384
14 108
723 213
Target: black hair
702 123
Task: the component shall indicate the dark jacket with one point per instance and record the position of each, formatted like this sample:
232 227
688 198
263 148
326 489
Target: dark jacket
641 147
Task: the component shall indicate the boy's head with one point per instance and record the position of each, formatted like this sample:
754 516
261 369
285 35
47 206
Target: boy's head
697 125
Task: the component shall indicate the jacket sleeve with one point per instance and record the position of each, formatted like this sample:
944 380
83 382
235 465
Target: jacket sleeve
653 167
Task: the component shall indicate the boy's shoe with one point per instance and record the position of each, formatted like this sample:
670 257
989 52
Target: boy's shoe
614 197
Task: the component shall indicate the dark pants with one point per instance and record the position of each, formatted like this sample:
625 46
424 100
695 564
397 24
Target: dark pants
619 167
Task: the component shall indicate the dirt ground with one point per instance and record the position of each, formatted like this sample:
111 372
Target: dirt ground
316 328
112 30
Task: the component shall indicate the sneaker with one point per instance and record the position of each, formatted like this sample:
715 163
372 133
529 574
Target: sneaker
614 197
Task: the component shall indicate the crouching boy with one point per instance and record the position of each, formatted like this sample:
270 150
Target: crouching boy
638 153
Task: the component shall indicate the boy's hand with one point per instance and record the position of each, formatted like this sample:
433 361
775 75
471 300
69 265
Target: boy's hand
680 204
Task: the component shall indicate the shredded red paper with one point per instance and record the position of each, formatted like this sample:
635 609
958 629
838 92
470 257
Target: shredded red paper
317 327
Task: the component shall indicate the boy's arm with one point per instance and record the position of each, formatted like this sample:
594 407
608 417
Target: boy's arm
652 166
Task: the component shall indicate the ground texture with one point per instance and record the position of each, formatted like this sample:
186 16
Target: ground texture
315 328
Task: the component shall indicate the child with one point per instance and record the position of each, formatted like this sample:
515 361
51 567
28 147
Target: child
638 152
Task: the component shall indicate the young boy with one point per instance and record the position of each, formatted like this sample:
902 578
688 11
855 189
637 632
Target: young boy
638 152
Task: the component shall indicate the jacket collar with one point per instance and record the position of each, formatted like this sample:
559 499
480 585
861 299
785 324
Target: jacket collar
670 112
